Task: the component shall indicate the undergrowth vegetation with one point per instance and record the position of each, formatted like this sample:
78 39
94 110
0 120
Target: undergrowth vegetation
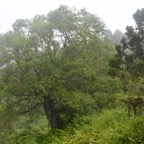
108 127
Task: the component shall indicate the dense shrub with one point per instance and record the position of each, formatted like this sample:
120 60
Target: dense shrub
111 127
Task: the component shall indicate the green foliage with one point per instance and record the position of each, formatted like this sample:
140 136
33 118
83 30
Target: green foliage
129 57
59 62
136 87
128 62
106 89
110 127
25 130
52 61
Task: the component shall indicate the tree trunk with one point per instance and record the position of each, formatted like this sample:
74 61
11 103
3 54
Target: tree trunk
135 111
129 109
55 121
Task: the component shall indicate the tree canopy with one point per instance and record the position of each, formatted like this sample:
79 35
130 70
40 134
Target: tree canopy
52 61
128 61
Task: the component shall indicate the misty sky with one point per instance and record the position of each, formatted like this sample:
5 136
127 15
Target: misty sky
116 14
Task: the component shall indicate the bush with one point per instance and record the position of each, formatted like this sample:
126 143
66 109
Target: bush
110 127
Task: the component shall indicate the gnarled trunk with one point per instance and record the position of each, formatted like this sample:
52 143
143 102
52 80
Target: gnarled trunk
52 114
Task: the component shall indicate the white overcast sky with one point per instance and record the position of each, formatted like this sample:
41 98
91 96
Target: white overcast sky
116 14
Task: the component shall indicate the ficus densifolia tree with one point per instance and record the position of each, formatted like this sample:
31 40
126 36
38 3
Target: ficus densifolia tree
52 61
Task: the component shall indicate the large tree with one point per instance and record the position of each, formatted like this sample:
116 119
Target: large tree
51 61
